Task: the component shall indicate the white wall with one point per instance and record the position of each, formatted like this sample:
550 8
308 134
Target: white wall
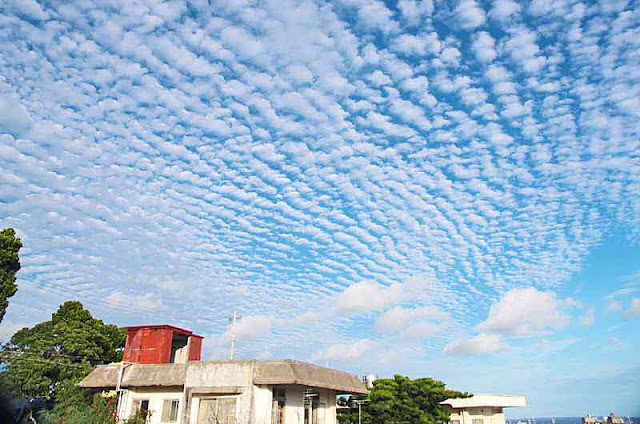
156 399
488 415
294 406
330 413
253 405
262 405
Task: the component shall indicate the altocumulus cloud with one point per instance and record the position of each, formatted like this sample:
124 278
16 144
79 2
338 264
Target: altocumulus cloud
304 161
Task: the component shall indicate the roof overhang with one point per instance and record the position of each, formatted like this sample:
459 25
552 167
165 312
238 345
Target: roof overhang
277 372
289 371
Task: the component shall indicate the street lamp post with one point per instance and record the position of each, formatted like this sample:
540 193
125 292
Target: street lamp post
359 402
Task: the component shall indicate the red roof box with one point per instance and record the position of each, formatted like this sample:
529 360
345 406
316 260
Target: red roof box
161 344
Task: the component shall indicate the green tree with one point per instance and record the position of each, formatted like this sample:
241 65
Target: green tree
49 359
9 265
401 400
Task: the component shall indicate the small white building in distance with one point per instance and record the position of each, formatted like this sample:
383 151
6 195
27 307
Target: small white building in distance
482 409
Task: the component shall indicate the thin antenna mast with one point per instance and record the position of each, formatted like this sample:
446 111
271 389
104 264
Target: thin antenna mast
232 332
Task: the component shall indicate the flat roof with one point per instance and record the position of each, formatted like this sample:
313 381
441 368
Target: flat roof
272 372
488 400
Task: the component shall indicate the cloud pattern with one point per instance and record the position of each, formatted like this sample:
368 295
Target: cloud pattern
168 160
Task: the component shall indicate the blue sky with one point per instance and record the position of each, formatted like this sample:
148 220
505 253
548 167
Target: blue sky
446 189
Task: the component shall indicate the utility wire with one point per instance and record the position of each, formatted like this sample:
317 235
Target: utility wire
41 361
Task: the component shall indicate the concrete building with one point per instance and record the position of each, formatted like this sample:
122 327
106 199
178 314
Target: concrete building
181 389
482 409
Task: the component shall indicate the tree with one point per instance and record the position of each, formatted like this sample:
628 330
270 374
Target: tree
9 265
401 400
49 359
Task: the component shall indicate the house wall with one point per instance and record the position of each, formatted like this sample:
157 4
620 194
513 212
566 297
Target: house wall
487 415
253 405
262 405
235 379
156 397
330 411
294 407
230 379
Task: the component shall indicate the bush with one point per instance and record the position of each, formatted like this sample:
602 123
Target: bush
101 411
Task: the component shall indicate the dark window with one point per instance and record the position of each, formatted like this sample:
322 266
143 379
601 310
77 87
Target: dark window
277 408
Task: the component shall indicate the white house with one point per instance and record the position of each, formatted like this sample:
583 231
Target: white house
185 390
482 408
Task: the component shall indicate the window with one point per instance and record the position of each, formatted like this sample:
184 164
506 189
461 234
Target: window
455 421
477 421
277 408
221 410
170 410
311 401
140 406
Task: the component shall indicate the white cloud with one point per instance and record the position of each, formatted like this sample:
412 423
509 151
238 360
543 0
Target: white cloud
477 345
30 9
419 45
484 47
400 318
502 10
368 296
374 15
134 302
524 50
247 150
470 14
345 352
14 117
526 311
415 10
253 327
421 330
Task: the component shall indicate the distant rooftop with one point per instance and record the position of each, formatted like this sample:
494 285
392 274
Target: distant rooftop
487 400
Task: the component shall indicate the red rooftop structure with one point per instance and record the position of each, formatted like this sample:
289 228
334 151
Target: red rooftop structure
161 344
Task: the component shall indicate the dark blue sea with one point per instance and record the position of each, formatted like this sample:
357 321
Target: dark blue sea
561 420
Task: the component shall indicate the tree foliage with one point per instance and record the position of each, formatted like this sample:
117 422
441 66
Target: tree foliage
9 265
49 359
401 400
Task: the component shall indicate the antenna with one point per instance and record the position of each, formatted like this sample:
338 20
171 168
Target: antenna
232 332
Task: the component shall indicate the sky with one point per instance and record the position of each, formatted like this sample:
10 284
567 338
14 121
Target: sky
441 189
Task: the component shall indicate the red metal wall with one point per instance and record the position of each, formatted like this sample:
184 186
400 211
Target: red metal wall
195 348
148 346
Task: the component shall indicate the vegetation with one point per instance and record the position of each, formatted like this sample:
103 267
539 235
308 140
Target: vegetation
9 265
401 400
102 410
49 359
